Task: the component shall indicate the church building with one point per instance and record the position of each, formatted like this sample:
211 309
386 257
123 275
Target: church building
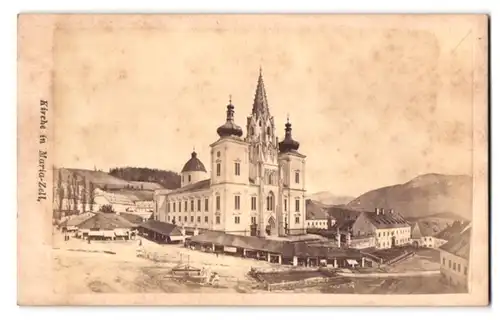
254 186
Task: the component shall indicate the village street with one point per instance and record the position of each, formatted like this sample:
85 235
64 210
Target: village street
113 267
82 267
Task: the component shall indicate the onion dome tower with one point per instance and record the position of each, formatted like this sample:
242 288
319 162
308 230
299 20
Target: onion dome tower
288 144
193 171
230 129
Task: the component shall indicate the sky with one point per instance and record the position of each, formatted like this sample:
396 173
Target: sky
372 101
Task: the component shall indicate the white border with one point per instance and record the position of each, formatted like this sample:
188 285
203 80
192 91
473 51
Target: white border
8 16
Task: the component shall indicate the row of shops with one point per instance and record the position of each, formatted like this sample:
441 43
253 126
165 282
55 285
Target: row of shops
277 251
296 252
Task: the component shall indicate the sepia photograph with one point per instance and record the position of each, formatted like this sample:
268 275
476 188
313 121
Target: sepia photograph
268 159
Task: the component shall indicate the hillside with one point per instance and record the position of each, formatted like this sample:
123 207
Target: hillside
98 178
168 179
329 199
427 195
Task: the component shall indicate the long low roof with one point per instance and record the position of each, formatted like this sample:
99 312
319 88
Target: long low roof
166 229
231 240
106 221
287 249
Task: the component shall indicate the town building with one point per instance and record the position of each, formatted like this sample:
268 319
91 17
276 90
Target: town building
161 232
317 217
423 234
450 232
255 185
106 226
119 202
389 229
454 256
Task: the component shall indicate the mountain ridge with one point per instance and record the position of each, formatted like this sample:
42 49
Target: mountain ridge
426 195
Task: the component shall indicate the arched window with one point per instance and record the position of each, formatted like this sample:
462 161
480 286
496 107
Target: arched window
268 131
270 201
270 178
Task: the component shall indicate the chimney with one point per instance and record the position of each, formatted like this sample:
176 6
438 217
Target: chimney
376 211
382 211
391 211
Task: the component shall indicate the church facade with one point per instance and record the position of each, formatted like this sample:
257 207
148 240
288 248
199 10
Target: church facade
255 185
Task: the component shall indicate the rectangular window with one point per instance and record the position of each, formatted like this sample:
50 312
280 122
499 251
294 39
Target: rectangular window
297 177
192 219
168 207
189 178
180 206
237 168
454 266
185 206
458 267
206 204
285 205
254 203
297 219
237 220
168 218
198 219
297 205
217 219
185 219
465 270
199 204
192 205
218 169
206 219
173 207
254 220
180 218
237 202
217 203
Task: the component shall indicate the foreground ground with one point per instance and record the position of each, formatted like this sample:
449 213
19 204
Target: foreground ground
84 268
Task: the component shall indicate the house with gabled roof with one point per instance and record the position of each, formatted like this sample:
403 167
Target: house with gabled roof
388 228
454 257
316 216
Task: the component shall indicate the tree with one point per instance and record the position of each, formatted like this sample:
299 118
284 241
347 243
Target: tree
76 193
60 191
106 208
91 195
84 195
69 196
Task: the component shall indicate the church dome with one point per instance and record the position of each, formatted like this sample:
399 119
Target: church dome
194 164
229 128
288 144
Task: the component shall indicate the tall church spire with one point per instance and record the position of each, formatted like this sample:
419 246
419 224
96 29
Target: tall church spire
260 100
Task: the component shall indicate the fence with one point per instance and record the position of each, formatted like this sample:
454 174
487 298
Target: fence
290 285
402 257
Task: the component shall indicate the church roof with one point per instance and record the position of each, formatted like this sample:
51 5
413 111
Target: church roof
197 186
288 144
260 104
194 164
